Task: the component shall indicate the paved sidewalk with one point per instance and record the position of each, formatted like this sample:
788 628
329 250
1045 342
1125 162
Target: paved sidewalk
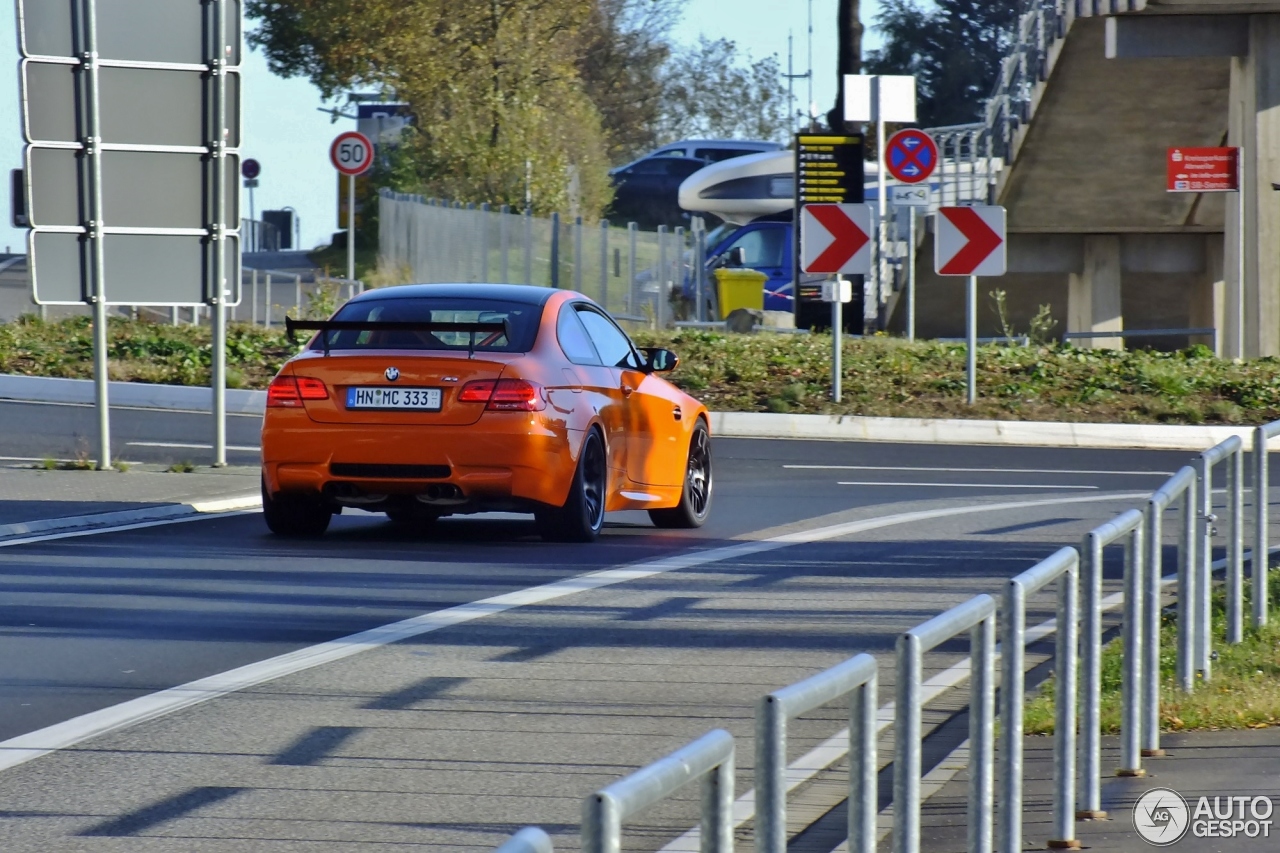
1197 764
34 500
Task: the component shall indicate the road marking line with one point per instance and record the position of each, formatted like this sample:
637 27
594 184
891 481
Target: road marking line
25 747
177 445
1041 486
974 470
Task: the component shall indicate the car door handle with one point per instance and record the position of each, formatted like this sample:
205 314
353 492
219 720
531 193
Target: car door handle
677 414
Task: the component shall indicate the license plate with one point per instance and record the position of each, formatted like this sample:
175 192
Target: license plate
407 399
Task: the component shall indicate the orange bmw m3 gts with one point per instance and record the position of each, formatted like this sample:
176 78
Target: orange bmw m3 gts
426 400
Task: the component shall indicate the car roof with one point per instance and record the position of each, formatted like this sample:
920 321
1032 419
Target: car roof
526 293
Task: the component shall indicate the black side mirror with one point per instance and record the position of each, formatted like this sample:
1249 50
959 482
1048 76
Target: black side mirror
659 360
737 257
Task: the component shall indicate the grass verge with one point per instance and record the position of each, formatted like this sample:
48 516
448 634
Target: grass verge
1244 691
761 373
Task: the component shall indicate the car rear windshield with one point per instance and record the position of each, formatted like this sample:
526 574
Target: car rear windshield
521 318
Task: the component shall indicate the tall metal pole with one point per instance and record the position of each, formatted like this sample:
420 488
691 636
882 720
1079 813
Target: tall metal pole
836 324
911 275
1240 259
351 227
218 302
971 336
97 236
881 189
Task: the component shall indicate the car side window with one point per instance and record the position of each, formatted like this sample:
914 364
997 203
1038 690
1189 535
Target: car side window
573 338
614 347
762 247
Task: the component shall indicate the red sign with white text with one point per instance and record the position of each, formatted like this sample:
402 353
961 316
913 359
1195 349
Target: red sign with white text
1203 170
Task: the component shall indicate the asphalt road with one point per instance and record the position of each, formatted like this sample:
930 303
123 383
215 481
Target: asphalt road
518 714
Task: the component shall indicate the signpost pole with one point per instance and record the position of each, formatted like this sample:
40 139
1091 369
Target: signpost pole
218 377
351 227
837 319
911 275
1240 244
971 336
96 241
881 183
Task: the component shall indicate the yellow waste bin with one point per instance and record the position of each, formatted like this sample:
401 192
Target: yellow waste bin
740 288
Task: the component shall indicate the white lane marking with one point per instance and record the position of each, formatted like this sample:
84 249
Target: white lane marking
974 470
22 748
177 445
1040 486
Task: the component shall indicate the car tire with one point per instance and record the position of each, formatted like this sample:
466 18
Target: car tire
582 515
295 516
695 497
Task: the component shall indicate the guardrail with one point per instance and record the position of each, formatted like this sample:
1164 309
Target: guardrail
1064 567
1141 534
978 617
856 678
710 757
528 840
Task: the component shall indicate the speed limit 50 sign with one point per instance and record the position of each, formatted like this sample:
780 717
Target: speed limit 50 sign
351 153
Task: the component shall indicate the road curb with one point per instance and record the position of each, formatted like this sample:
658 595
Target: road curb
118 518
41 389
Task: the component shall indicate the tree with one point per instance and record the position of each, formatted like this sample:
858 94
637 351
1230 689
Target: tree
848 56
953 47
625 45
493 86
710 91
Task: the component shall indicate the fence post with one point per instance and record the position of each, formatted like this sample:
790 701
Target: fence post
266 308
863 767
1204 570
1013 695
1090 744
717 809
577 253
484 242
528 246
1151 601
1064 729
631 267
1261 527
254 285
1187 572
982 702
1131 683
770 774
1235 548
297 295
555 250
604 264
906 753
504 242
659 275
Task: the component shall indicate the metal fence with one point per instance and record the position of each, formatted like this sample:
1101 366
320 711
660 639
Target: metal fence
631 273
1141 534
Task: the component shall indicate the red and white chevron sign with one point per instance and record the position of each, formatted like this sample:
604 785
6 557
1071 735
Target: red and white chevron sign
970 241
835 239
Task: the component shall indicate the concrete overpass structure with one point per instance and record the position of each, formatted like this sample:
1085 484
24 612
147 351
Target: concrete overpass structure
1091 96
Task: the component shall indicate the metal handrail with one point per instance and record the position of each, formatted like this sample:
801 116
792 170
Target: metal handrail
710 757
1127 525
978 616
856 678
1182 484
1261 525
528 840
1063 566
1232 449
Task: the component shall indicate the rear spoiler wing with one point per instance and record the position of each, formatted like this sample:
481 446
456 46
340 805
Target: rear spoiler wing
324 327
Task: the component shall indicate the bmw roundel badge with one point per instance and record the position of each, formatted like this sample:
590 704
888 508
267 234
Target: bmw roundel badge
392 374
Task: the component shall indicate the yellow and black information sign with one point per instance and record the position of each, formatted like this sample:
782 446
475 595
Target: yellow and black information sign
828 171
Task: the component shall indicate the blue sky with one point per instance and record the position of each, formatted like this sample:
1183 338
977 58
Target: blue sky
286 133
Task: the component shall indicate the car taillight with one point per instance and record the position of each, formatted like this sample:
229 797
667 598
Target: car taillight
504 395
288 392
478 391
516 395
312 389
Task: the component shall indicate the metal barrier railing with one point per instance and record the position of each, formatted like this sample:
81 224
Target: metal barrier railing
710 757
1182 484
528 840
1232 449
1127 526
1261 526
1063 567
978 617
856 678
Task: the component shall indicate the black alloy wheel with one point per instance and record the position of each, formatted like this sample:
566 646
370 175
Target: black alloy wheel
582 515
695 498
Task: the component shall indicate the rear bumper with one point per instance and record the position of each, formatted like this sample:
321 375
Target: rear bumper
503 457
